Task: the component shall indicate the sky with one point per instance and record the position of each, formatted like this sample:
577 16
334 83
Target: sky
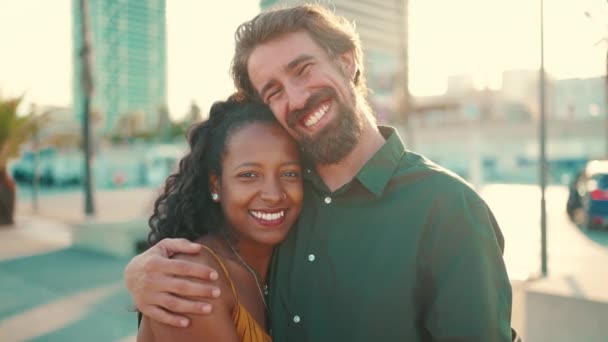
484 37
477 37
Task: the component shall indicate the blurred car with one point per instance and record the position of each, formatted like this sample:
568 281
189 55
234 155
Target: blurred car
588 198
66 170
53 169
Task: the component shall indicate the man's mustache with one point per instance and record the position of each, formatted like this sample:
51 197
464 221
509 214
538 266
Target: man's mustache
313 101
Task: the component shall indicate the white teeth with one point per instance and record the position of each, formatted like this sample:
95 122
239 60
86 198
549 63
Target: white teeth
267 216
316 116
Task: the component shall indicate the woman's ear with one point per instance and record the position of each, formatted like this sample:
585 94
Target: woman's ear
214 187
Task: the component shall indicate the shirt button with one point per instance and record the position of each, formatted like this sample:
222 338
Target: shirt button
311 257
296 319
307 170
327 199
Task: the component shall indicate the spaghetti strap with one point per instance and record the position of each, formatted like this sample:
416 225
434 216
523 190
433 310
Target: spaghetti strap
219 260
247 328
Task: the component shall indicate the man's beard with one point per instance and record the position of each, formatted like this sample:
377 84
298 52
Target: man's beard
337 139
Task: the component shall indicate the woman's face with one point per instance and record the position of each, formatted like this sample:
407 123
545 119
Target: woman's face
260 189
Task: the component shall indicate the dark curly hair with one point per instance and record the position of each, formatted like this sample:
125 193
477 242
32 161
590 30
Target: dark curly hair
185 208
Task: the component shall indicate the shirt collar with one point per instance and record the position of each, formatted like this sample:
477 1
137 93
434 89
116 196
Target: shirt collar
377 172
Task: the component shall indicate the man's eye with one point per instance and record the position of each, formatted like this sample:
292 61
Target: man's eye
305 68
272 95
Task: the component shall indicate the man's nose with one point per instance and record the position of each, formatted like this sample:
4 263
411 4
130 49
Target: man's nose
297 97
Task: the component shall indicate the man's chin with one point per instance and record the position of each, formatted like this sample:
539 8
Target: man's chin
308 138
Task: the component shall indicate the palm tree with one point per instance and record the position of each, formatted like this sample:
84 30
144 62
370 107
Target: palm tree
14 131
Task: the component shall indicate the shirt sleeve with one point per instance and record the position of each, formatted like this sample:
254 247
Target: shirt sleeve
466 293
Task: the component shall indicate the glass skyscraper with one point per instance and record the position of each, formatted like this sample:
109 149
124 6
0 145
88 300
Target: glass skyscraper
128 39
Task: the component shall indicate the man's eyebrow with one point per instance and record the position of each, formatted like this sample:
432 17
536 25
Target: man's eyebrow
265 88
300 59
290 66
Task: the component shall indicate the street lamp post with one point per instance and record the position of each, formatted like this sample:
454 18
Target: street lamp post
543 142
87 87
405 105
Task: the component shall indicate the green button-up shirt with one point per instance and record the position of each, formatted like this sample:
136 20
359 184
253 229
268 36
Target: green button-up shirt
406 251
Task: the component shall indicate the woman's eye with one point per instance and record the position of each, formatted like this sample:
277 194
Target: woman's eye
247 175
291 174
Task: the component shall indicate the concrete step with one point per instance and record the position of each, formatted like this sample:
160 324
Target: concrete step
114 238
117 238
578 302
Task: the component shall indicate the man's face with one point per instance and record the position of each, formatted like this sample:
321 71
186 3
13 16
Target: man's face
310 93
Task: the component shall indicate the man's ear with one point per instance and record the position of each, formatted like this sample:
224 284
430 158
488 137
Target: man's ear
349 65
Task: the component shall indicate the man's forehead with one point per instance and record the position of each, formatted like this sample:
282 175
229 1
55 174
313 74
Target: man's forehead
277 55
283 49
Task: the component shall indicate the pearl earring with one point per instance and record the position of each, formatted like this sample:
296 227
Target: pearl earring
215 196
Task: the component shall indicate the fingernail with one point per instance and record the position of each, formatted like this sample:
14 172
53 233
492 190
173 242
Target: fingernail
215 293
206 308
183 322
194 245
213 275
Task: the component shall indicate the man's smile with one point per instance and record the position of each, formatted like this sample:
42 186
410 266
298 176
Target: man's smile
313 118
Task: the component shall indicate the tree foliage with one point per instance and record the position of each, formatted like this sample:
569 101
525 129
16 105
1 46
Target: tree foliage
14 129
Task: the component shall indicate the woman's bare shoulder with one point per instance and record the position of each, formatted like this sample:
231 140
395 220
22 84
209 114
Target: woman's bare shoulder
215 326
211 255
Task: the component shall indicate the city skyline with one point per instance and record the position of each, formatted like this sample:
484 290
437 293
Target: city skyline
445 39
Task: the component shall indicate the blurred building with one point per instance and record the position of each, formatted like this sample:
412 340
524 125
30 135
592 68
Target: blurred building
579 99
519 84
128 40
460 85
520 94
498 130
382 27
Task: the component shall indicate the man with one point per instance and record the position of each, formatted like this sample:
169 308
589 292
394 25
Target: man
389 246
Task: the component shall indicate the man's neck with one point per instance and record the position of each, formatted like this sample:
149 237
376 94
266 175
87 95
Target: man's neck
336 175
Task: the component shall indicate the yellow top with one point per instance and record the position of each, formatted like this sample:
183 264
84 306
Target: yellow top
247 328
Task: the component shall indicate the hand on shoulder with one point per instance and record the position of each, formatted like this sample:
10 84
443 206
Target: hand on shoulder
216 326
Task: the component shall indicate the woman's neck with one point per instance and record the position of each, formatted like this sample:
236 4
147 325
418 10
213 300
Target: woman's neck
254 255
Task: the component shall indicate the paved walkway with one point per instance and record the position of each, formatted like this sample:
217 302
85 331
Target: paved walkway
50 291
61 294
110 206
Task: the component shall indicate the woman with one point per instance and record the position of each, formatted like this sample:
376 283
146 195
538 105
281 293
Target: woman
237 192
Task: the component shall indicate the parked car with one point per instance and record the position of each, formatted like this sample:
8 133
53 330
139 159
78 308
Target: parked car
588 197
54 169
